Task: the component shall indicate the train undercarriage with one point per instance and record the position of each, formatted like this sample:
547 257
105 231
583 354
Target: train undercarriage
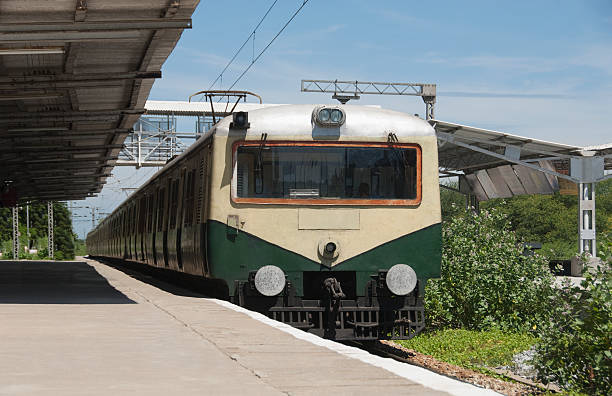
332 313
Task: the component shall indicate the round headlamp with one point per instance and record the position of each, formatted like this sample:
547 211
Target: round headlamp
270 280
336 116
324 115
401 279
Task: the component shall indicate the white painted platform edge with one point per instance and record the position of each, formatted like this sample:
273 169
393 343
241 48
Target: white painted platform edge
412 373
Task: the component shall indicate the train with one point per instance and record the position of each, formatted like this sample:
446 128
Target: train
324 217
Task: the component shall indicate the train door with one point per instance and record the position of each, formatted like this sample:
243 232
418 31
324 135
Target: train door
159 235
172 233
142 211
166 221
188 234
124 233
149 239
201 210
179 220
130 222
135 211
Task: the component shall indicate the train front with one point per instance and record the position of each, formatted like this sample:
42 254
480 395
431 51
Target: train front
327 217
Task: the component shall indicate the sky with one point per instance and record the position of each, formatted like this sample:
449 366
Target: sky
541 69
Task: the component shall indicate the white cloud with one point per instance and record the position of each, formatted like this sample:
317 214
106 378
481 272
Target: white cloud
595 56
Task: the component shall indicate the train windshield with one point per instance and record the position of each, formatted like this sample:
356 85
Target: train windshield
327 173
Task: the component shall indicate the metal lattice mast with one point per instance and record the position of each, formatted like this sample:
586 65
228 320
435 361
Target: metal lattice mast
346 90
153 142
16 233
50 228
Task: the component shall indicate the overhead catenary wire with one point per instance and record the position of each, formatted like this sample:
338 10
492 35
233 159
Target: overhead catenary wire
252 35
269 44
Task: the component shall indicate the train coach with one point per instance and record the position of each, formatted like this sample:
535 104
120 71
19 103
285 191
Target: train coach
324 217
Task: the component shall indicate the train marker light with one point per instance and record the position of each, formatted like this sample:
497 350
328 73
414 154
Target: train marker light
328 116
270 280
240 120
336 116
401 279
324 115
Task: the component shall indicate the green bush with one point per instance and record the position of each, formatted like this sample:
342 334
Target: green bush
485 280
575 348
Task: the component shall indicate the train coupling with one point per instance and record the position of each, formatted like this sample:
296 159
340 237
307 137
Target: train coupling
333 289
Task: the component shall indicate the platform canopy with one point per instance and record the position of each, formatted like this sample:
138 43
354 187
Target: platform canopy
497 164
74 78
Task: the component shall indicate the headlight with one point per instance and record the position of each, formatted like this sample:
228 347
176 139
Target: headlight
270 280
336 116
401 279
328 116
324 115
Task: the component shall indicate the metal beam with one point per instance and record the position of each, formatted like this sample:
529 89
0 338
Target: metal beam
519 145
67 116
104 26
73 80
63 133
58 149
60 161
451 139
346 90
68 168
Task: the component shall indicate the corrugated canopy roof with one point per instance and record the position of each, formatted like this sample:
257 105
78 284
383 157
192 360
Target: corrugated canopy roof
74 77
456 156
497 164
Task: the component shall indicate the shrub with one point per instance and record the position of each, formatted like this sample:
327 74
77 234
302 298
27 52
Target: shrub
575 348
485 280
471 349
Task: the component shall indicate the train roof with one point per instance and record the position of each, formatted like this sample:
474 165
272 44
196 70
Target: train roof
296 120
362 121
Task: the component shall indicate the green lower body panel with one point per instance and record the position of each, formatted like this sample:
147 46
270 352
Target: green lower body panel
233 255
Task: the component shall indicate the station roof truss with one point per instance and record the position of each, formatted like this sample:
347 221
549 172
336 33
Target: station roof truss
156 139
74 78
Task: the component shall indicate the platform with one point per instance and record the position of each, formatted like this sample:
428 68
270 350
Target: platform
84 328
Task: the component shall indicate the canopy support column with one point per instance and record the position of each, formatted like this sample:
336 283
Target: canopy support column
586 219
50 228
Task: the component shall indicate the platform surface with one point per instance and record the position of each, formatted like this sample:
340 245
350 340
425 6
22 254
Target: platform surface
84 328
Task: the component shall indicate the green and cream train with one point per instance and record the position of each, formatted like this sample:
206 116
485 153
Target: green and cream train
320 216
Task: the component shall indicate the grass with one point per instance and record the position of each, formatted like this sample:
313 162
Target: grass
471 349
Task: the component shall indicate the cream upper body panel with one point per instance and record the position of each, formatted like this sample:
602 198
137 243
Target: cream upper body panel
300 228
361 123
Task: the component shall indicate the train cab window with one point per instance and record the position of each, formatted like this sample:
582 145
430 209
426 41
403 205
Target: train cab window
327 173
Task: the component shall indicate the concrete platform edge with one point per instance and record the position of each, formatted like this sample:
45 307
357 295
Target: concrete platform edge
416 374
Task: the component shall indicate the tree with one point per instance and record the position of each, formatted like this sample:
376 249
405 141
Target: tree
62 231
